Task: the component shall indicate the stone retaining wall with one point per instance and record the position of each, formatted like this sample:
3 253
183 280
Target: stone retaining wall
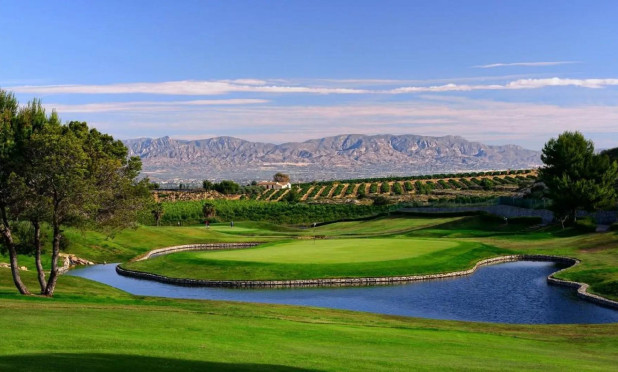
193 247
334 282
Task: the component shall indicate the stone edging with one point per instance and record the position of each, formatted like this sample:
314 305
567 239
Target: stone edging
581 287
193 247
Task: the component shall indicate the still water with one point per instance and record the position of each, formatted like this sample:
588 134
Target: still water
515 292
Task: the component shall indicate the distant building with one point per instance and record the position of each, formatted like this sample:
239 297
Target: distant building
274 185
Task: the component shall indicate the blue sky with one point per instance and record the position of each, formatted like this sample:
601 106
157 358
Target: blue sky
494 71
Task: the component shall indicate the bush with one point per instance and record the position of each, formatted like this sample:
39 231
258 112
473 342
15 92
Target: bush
397 189
190 212
380 200
585 225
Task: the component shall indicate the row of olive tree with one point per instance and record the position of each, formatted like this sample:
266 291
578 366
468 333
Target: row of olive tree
60 175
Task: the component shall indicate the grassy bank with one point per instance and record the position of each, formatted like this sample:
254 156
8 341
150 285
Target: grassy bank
336 258
96 327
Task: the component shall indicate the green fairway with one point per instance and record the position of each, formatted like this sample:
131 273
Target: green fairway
95 327
332 251
380 226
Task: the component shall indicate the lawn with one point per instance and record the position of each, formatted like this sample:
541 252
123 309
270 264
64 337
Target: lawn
91 326
94 327
332 258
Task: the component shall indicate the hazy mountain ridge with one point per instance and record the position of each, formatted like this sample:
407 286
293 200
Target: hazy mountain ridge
343 156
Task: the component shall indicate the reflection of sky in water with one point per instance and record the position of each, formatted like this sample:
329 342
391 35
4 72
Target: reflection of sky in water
515 292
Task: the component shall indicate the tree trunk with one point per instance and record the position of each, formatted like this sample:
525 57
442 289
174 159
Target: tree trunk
53 274
37 255
8 239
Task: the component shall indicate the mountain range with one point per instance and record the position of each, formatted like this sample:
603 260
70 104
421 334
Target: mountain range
339 157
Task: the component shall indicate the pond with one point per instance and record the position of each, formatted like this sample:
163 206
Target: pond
515 292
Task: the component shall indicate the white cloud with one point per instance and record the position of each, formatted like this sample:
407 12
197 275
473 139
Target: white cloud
526 124
148 105
527 64
512 85
207 88
187 87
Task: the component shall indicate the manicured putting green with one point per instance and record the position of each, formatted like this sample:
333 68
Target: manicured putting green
333 251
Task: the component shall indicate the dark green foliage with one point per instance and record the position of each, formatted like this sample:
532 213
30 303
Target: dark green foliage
385 188
408 186
350 189
207 185
338 190
362 191
373 188
281 177
293 196
397 189
314 192
576 177
380 200
277 194
326 191
487 184
443 184
227 187
248 210
267 194
612 153
209 210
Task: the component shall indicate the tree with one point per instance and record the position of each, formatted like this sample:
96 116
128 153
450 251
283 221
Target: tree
397 189
576 177
292 196
487 184
61 175
207 185
209 210
8 149
281 177
157 212
227 187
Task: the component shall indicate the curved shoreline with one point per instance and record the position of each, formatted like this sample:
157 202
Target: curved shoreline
582 288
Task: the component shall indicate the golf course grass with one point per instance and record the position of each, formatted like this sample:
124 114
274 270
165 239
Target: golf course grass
91 326
95 327
333 258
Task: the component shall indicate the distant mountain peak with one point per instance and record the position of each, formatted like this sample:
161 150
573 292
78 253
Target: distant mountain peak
333 157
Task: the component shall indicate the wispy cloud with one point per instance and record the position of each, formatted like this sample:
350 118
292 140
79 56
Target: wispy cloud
495 122
148 105
222 87
527 64
187 87
512 85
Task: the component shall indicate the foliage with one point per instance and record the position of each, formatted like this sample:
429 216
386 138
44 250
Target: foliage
65 175
281 177
209 210
397 189
380 200
227 187
576 177
250 210
157 212
207 185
